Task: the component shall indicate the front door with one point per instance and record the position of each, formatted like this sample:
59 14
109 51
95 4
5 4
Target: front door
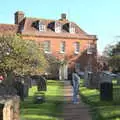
63 72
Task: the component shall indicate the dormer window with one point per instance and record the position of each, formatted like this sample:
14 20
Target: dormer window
57 27
41 26
71 28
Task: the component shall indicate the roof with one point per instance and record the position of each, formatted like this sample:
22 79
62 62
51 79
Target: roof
8 29
27 28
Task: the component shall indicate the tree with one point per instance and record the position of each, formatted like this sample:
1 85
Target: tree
113 54
54 65
20 56
114 60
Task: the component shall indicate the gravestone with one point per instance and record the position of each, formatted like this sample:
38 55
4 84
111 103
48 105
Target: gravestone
106 91
20 89
41 82
118 78
106 86
1 111
88 76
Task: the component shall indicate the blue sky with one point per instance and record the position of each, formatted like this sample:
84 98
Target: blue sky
100 17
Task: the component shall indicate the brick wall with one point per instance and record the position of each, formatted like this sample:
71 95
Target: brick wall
69 52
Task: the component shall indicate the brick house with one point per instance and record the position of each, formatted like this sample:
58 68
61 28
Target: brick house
62 38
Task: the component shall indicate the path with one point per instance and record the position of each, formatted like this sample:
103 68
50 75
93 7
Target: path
73 111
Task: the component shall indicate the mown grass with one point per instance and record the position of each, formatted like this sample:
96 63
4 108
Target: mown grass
101 110
51 109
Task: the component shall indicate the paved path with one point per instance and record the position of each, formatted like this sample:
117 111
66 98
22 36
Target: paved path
73 111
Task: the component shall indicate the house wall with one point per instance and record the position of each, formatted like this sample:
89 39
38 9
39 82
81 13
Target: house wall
69 51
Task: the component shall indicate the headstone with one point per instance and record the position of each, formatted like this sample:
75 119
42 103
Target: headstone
106 86
1 111
20 89
88 76
106 91
41 82
118 78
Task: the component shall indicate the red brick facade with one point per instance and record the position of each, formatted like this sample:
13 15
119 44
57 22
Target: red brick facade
30 28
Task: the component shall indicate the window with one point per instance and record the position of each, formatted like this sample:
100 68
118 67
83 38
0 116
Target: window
41 26
57 27
71 28
62 47
77 47
47 46
90 48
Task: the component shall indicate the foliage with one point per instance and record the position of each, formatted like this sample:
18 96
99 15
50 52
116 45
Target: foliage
54 65
108 50
114 62
113 54
21 56
116 49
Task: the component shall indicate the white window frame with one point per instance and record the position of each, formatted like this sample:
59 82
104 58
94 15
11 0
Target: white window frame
76 47
57 27
71 28
41 27
47 46
62 47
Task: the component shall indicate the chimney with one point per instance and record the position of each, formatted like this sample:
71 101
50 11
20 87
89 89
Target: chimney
19 16
63 16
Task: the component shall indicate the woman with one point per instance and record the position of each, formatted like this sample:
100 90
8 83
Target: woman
75 85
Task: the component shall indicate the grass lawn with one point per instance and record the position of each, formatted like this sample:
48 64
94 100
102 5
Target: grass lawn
101 110
51 109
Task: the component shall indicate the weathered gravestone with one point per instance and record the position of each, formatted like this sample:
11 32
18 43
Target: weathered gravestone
106 86
88 79
22 89
41 82
1 111
118 78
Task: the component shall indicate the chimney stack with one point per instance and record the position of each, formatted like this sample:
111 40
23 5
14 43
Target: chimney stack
19 16
63 16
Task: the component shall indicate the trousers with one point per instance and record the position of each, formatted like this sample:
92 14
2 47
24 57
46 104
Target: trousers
75 95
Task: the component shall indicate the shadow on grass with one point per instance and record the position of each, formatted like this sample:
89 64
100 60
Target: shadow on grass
100 110
51 109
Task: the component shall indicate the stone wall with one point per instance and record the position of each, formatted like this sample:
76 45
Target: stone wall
11 107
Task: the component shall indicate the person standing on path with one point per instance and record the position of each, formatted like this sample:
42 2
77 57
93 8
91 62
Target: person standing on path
75 84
